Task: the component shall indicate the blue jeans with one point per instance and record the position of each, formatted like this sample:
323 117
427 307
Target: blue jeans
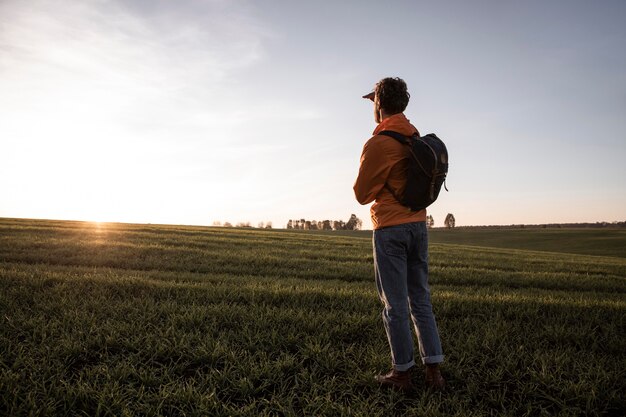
401 267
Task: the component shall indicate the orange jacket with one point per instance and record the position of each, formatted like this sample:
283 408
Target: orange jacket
384 161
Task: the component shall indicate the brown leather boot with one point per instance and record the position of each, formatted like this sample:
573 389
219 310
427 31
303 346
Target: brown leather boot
434 379
400 380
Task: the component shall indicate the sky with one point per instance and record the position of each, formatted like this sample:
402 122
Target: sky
195 112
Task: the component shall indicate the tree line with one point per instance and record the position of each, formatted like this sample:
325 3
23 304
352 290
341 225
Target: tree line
261 225
354 223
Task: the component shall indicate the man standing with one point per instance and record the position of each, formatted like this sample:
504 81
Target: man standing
400 242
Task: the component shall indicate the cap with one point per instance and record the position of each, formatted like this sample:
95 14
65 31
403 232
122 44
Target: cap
370 96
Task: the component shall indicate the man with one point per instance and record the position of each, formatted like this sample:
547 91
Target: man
400 242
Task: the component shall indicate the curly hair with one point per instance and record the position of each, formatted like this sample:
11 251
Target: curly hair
392 94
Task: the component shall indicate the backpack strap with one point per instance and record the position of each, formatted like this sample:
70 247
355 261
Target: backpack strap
397 136
403 140
406 140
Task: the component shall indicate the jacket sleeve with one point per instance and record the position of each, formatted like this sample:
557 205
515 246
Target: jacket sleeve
373 173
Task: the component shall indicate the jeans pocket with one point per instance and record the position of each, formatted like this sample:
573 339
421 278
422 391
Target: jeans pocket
392 241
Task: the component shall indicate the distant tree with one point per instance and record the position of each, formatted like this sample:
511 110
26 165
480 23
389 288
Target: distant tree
449 222
326 225
430 222
217 223
227 224
339 225
307 224
268 225
354 223
261 225
290 224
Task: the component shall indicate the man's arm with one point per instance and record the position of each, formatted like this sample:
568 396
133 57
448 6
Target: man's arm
373 173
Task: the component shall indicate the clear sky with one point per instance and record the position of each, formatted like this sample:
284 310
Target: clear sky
191 112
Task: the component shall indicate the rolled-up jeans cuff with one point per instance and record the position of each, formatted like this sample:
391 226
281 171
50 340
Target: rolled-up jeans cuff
431 360
404 366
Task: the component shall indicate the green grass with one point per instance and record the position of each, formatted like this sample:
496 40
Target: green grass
591 241
173 320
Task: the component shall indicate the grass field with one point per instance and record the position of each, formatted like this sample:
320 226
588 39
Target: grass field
118 319
584 241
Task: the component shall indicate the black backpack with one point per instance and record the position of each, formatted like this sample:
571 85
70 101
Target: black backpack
427 170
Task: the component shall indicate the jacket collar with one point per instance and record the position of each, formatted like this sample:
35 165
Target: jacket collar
398 123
